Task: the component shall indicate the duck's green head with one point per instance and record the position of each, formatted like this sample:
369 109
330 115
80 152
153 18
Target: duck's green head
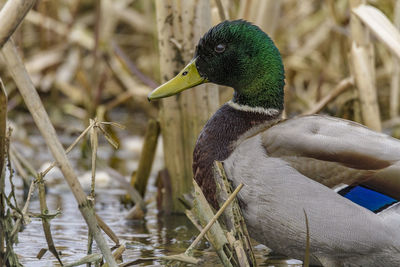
236 54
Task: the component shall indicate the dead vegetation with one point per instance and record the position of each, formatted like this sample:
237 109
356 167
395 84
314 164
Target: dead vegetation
86 59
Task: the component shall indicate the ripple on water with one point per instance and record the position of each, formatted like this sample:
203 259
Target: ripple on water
155 236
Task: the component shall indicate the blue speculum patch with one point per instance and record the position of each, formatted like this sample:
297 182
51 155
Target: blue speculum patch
367 198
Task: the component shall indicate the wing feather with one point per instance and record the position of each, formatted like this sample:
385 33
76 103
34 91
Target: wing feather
334 151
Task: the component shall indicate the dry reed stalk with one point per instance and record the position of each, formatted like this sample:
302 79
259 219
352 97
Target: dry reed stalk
74 93
24 218
380 25
92 129
334 13
362 66
244 9
133 193
85 260
45 220
117 253
65 72
33 102
94 143
343 85
108 21
266 13
45 59
137 90
189 250
93 133
147 157
118 100
16 163
170 117
138 21
3 131
222 10
179 257
17 158
395 81
76 34
236 227
193 219
94 124
109 18
215 235
3 125
11 15
187 256
79 138
107 230
200 104
180 24
313 40
104 19
132 67
83 134
7 223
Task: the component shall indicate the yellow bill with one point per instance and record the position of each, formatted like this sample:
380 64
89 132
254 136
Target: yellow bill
187 78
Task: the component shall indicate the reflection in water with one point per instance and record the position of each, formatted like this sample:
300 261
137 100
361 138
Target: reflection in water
157 235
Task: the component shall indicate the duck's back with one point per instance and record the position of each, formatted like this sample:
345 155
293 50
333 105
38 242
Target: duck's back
276 197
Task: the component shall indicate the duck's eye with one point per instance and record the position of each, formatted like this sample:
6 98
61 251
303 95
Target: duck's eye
220 48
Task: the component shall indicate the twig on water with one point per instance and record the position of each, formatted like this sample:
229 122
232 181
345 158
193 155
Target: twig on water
87 259
117 253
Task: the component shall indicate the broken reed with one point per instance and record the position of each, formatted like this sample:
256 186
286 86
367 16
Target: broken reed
45 215
3 129
9 228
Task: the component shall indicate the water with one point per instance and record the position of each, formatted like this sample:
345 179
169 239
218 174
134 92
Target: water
154 236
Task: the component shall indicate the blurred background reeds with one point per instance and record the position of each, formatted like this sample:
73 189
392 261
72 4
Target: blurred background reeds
84 54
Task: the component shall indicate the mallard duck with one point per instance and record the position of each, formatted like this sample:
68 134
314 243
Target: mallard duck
344 176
